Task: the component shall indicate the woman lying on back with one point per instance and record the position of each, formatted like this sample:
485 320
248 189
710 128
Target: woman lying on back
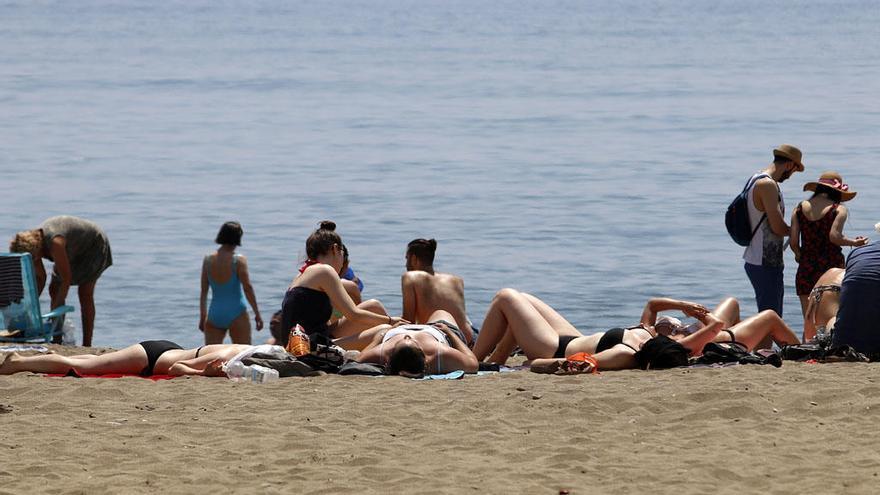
151 357
516 318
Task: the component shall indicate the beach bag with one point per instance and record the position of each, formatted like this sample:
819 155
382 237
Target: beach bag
737 218
356 368
735 352
661 352
326 358
286 365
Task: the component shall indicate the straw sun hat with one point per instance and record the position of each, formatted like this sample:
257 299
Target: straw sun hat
833 180
792 153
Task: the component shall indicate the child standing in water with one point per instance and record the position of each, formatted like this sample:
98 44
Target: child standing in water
226 273
817 232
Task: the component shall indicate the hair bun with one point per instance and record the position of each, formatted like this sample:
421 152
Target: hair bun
432 243
327 225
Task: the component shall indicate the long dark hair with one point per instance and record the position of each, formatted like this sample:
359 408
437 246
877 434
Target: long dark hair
833 194
322 240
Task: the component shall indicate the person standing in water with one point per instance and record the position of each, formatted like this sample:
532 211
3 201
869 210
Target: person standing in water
226 274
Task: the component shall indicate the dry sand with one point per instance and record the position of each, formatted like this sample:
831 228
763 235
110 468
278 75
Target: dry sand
744 429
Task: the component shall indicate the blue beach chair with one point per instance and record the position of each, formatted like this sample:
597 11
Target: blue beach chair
20 317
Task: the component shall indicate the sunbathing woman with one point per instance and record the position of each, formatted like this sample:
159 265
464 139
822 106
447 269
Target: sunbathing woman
151 357
318 289
413 350
547 338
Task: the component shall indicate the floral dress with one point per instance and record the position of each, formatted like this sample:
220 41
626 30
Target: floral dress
818 253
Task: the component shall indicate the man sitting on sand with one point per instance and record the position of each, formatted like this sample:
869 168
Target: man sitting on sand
858 318
426 291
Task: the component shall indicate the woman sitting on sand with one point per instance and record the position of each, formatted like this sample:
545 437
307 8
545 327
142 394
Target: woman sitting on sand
824 301
317 289
414 350
151 357
547 338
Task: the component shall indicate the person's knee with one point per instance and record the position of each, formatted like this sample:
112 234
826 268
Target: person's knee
732 303
506 295
373 305
769 315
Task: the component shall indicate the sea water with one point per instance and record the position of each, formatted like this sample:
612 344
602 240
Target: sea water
584 152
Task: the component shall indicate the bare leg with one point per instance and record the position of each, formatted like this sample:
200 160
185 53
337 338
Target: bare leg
513 312
240 329
132 359
214 335
503 349
764 325
727 311
87 310
353 292
346 327
560 324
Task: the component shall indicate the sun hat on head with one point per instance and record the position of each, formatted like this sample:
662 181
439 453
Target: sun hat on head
833 180
792 153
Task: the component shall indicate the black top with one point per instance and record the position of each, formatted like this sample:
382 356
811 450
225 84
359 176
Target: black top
309 308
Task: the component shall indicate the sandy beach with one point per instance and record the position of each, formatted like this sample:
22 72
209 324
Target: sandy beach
741 429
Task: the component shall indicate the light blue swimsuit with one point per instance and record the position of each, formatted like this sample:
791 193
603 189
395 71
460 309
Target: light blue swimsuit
227 299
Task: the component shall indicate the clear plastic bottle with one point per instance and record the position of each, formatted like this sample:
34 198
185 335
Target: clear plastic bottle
239 372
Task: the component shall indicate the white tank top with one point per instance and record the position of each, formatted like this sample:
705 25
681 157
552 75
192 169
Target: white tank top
766 247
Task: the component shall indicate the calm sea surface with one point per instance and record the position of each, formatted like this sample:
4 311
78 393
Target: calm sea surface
582 151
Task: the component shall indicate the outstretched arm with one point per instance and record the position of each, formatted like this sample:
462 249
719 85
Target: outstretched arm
208 365
697 340
62 267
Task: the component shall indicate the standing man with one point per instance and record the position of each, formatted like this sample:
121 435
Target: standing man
80 252
426 291
763 256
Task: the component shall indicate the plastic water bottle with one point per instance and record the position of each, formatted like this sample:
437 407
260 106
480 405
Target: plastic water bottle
262 374
68 332
254 373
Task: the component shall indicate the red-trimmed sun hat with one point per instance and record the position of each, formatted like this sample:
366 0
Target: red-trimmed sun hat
833 180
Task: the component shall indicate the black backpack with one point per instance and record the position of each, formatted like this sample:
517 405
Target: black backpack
737 217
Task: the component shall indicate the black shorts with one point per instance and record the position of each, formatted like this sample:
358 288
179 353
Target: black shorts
154 349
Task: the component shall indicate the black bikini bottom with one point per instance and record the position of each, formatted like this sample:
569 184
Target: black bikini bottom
154 349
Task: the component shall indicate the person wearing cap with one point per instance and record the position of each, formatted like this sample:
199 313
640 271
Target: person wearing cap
763 256
817 232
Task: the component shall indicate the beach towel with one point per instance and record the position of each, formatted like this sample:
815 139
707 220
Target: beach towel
452 375
74 374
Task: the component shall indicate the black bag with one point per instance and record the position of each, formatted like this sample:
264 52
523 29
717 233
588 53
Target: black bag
286 366
327 358
735 352
356 368
737 218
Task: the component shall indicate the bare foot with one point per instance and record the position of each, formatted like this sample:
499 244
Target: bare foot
7 367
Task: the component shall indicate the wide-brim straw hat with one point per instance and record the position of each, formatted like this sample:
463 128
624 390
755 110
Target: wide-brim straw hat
833 180
792 153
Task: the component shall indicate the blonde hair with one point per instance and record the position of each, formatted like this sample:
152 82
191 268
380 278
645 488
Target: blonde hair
28 241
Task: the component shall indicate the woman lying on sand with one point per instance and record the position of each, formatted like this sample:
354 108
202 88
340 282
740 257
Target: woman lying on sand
516 318
414 350
151 357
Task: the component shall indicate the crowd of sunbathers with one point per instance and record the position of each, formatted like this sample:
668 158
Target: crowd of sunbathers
434 334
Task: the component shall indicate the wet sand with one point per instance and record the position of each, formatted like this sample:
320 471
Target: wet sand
741 429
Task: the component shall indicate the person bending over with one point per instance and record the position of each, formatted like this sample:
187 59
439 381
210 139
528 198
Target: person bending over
426 291
80 252
151 357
